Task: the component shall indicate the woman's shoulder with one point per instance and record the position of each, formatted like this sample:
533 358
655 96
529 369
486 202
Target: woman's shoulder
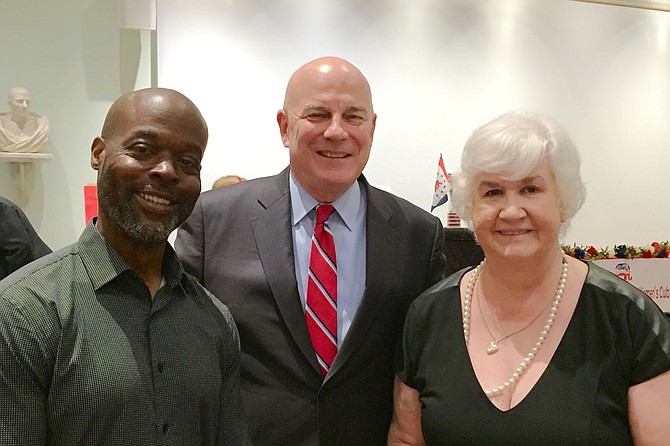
626 305
618 292
444 292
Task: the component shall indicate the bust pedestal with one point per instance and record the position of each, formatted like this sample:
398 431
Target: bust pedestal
23 171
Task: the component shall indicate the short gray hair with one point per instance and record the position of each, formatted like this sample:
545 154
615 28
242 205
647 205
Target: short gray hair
513 144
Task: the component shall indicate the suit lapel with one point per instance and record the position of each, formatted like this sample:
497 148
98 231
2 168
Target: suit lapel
380 234
274 240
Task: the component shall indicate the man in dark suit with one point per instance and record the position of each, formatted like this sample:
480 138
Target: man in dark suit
250 245
19 243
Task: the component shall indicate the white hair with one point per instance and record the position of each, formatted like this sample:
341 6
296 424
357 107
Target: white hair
513 144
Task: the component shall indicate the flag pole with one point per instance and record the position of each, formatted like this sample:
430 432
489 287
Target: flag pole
442 193
453 220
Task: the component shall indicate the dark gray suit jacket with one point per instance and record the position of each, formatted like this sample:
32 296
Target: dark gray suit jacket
238 243
19 243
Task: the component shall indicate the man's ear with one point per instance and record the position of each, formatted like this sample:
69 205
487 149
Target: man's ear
374 125
97 150
282 120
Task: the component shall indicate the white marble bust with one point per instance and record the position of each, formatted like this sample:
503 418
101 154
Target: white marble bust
22 131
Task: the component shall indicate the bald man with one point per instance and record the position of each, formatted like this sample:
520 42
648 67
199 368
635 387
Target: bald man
251 246
109 341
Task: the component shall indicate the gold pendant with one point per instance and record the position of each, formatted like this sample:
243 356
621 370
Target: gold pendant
492 348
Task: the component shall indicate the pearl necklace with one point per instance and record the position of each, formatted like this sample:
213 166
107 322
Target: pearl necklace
467 300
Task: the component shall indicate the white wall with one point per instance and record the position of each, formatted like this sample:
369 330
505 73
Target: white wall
438 68
74 60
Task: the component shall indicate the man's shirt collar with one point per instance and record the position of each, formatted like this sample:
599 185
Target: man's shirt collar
346 205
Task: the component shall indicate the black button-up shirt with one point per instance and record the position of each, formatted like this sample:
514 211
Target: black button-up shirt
88 358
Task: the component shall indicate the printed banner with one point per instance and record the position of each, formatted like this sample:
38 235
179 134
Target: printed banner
650 275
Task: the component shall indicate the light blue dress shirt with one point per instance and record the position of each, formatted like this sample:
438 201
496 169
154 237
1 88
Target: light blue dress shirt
347 225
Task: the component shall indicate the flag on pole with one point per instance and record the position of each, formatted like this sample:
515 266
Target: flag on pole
442 183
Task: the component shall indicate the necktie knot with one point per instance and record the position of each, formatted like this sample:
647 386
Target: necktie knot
323 211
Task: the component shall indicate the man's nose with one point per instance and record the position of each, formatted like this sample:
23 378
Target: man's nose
335 130
165 168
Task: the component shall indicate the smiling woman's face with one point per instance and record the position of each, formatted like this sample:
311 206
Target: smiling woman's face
519 218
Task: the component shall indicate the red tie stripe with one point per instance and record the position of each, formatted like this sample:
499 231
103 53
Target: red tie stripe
321 305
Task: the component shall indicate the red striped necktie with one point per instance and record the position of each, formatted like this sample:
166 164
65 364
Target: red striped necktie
321 306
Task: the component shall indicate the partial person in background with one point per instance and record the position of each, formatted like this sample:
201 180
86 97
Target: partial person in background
227 180
319 301
109 341
21 130
19 243
532 346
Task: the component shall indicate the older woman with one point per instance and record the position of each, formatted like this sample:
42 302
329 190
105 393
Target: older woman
532 346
